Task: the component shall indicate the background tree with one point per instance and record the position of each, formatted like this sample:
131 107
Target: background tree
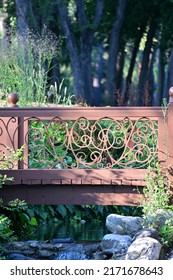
80 56
124 46
113 50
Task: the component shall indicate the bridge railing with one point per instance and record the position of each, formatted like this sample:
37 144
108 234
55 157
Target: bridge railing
85 145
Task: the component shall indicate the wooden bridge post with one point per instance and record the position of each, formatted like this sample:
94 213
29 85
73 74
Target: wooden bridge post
22 129
9 139
13 98
170 127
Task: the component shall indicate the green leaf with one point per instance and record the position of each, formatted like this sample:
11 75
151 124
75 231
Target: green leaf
55 220
33 221
62 210
31 212
24 217
43 215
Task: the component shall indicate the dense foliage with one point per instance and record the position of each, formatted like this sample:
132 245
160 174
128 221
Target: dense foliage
6 231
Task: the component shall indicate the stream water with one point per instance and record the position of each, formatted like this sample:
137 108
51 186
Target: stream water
78 231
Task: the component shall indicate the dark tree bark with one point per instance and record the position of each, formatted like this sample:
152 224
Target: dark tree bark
132 65
22 13
162 77
120 67
73 50
98 75
81 57
151 80
145 60
113 52
170 73
86 37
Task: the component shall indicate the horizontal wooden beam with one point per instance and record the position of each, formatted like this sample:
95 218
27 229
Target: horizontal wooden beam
77 176
91 113
72 194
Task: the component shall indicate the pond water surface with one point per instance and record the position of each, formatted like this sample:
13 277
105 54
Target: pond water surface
78 231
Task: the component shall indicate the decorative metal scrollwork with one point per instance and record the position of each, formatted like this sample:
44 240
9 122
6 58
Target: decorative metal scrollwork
104 143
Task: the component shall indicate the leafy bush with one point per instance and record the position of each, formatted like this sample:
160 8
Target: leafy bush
6 231
166 232
7 160
157 191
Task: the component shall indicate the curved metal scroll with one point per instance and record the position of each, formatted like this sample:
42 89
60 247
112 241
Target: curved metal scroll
104 143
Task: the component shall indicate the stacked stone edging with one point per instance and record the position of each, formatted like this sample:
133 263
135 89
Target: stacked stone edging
129 240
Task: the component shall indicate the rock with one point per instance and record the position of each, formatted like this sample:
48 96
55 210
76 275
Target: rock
75 252
34 244
46 254
63 240
147 232
170 256
91 249
15 256
144 248
70 256
51 247
29 252
102 256
124 225
17 245
116 244
57 247
159 218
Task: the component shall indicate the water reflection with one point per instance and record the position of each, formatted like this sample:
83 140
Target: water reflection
89 231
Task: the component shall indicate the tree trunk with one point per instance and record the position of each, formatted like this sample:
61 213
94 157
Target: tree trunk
86 38
145 61
151 78
170 72
132 65
73 51
98 75
161 82
113 52
81 58
86 42
22 13
120 67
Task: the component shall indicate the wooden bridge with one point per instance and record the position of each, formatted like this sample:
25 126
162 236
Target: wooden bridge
83 155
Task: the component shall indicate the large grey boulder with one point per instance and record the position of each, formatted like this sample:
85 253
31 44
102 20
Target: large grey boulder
116 244
147 232
144 248
124 225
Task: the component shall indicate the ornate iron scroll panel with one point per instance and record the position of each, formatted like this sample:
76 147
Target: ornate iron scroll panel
105 143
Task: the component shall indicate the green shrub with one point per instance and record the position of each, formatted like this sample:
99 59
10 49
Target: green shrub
166 233
6 231
157 191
